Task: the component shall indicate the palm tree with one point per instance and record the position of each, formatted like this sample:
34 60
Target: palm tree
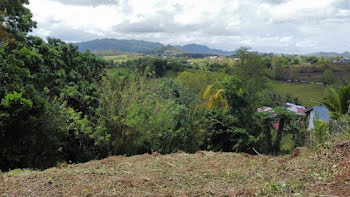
215 96
337 101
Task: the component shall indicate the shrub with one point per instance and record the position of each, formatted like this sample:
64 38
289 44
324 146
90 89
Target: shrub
328 77
321 132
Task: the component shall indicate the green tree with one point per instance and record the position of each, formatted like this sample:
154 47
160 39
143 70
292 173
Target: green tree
252 71
328 77
276 63
337 101
294 73
15 19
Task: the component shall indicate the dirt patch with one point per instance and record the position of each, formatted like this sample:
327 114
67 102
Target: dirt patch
341 155
243 193
179 174
62 165
295 153
113 159
341 150
156 154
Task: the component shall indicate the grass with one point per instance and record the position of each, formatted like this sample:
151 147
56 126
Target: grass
181 174
123 57
308 94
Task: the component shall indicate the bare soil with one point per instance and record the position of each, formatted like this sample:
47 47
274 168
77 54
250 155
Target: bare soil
303 173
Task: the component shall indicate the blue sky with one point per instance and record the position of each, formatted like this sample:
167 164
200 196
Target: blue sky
283 26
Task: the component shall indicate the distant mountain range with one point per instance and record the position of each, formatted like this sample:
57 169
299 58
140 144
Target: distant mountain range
330 54
136 46
156 48
202 49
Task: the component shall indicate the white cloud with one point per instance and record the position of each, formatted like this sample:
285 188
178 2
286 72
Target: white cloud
302 11
266 25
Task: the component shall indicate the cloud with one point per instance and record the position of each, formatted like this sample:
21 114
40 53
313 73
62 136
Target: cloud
88 2
291 26
301 11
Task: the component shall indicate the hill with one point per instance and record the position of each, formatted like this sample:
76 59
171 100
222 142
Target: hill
134 46
330 54
303 173
166 51
201 49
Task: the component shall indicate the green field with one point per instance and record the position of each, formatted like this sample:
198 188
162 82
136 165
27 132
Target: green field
123 57
308 94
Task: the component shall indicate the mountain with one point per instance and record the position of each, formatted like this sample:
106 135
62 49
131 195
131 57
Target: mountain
330 54
167 51
134 46
202 49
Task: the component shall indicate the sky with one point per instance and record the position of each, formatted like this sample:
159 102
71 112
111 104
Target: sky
280 26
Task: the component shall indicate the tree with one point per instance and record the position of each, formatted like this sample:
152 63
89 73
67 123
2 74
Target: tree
337 101
276 63
215 95
294 73
252 71
328 77
227 94
15 19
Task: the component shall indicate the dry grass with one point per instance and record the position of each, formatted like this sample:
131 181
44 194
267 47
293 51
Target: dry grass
304 173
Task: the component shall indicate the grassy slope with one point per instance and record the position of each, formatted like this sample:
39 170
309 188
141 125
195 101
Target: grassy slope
123 57
181 174
307 94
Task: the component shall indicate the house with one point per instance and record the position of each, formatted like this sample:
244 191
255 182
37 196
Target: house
297 109
317 113
345 60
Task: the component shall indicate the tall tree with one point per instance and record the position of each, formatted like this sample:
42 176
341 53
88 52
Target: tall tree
15 19
252 71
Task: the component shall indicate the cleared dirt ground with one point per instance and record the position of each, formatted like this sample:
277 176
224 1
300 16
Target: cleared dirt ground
303 173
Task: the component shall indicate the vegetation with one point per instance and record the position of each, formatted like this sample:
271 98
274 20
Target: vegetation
328 77
338 101
60 107
307 94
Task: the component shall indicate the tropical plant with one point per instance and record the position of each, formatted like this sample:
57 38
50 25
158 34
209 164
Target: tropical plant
337 101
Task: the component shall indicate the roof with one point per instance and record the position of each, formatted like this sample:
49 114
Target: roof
297 109
321 112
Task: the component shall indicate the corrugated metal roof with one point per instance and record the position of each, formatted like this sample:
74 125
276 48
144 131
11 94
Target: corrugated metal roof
318 113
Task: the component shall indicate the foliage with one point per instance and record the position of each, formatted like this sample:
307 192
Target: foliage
147 115
61 105
251 71
321 132
328 77
276 63
15 20
224 132
35 77
337 101
198 81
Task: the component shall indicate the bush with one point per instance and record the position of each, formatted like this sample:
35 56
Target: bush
321 132
224 134
328 77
